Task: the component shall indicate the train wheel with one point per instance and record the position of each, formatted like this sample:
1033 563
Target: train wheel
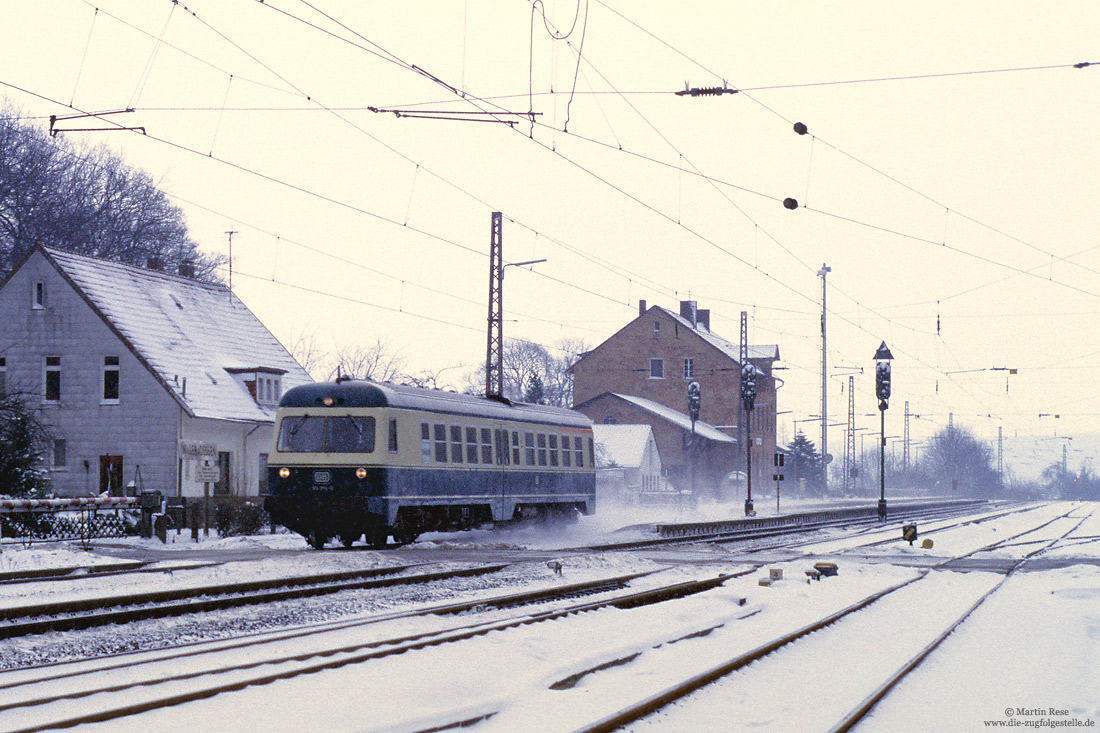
378 538
405 536
317 540
349 538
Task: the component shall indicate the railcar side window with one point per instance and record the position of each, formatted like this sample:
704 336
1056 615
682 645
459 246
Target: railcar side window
578 451
553 450
529 449
471 444
393 435
440 432
349 435
515 448
425 443
500 437
456 444
487 446
542 449
566 454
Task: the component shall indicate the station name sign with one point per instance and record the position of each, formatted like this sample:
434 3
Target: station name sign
196 449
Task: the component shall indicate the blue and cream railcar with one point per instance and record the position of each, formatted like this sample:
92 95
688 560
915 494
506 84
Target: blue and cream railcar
355 458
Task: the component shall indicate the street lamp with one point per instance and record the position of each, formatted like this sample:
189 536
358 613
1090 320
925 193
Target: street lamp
882 391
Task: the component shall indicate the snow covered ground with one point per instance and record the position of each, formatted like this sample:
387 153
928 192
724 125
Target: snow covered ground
1034 645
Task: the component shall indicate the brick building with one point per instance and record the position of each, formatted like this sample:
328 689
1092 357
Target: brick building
654 358
141 375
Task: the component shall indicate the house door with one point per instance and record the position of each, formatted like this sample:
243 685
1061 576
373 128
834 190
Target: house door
110 475
221 487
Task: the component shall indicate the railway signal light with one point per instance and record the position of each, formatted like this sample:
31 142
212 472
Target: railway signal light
748 387
694 394
909 533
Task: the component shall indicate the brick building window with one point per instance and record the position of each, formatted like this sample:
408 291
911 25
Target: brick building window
689 368
3 374
656 327
656 368
52 390
60 457
38 296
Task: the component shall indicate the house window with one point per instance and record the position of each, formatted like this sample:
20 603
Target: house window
393 435
110 379
3 374
689 368
53 379
276 390
656 327
610 420
656 368
38 296
60 459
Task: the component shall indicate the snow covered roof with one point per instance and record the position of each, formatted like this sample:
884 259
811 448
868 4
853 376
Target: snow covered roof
186 332
679 419
624 445
765 351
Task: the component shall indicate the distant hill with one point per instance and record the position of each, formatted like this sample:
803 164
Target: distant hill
1027 455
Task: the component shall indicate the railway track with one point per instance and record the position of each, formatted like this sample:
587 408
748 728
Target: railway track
658 702
42 698
711 532
86 613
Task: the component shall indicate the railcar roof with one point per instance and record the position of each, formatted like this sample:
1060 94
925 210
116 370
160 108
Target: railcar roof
362 393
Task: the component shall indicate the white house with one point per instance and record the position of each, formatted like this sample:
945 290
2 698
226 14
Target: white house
628 466
142 375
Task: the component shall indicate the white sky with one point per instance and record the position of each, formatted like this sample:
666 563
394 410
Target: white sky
1002 168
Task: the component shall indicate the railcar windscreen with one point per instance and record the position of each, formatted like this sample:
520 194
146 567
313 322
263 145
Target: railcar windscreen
312 434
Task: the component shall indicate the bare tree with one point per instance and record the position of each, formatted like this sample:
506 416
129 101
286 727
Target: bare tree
526 362
310 354
378 363
86 200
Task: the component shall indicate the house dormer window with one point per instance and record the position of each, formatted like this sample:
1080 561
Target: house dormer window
38 296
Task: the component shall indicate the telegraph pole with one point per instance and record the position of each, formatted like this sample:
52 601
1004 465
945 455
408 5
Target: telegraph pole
825 270
494 349
231 232
905 444
850 437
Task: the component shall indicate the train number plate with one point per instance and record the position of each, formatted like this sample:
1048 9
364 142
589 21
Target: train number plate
322 477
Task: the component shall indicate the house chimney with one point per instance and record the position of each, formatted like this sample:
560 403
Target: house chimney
641 307
187 268
702 316
154 263
688 311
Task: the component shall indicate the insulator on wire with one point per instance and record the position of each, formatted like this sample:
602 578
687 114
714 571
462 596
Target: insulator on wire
790 203
800 128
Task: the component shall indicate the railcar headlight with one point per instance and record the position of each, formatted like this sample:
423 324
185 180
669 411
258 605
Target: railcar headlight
360 473
284 473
